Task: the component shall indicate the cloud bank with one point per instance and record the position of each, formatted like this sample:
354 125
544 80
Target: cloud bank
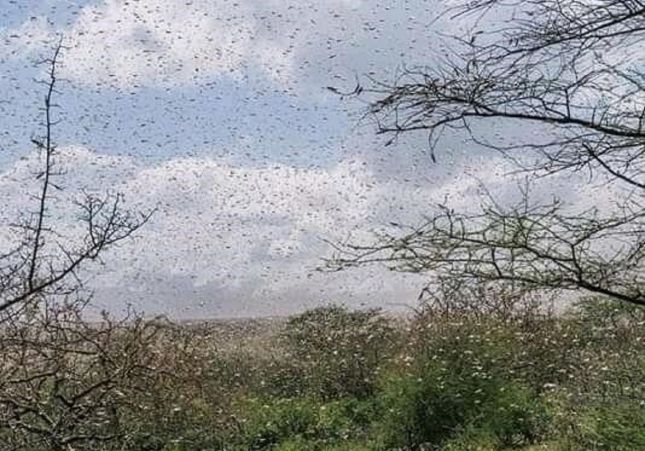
233 240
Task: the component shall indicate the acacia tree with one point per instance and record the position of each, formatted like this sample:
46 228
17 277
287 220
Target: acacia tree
64 379
40 264
568 70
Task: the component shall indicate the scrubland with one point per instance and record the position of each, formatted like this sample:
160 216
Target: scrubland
340 379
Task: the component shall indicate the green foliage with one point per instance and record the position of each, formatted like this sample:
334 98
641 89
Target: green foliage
603 312
460 386
612 424
305 423
338 352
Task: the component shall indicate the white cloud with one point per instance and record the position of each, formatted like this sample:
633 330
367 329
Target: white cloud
129 43
217 224
243 240
154 42
157 41
28 38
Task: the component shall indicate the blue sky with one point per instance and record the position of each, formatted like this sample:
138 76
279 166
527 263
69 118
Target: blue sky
245 117
217 112
245 111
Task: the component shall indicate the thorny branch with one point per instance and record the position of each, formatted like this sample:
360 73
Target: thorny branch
565 71
64 379
26 273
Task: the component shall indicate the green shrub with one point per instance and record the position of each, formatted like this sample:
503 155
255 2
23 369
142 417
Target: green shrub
438 406
336 352
279 421
611 426
288 423
460 384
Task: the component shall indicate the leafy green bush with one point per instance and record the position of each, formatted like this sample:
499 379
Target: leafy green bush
612 424
336 352
459 388
277 423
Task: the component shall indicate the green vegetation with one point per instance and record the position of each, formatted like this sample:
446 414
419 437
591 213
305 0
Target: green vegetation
334 379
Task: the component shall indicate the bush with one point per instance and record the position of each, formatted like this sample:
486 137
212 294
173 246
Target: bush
612 425
303 423
442 402
336 352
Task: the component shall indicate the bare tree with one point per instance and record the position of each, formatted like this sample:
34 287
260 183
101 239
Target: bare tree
63 379
568 71
40 264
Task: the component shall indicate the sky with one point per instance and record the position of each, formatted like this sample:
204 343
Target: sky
217 113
